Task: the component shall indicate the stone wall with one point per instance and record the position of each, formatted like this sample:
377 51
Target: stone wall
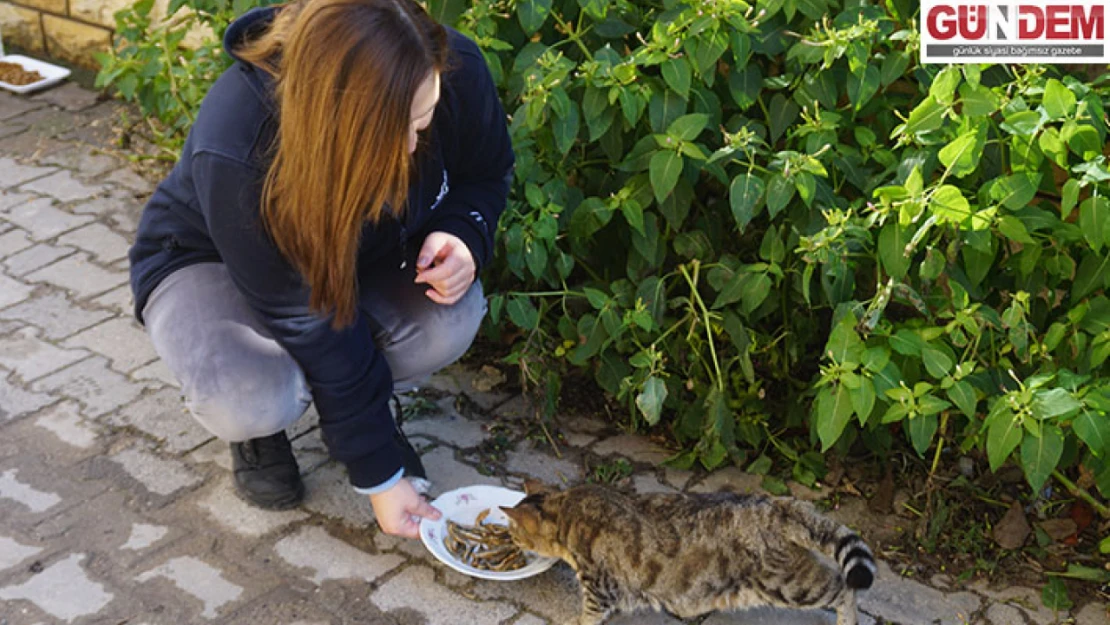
67 30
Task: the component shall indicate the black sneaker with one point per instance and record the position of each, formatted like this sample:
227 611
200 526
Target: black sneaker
410 460
266 473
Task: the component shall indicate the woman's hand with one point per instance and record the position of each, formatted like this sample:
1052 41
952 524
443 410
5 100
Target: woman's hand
400 508
445 264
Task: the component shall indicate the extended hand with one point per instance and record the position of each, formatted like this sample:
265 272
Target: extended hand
446 265
400 508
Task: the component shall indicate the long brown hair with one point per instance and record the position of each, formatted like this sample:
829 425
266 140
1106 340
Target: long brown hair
346 75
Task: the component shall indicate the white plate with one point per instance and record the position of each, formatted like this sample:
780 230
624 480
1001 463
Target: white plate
51 74
462 506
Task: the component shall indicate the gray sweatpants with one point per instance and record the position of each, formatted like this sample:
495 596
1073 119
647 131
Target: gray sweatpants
239 383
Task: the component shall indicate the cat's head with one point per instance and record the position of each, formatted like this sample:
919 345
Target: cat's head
533 522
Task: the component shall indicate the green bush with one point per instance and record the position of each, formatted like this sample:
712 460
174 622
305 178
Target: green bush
748 219
770 231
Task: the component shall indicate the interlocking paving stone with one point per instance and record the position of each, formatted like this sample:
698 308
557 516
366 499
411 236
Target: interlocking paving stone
447 426
12 106
14 173
1030 600
414 588
909 603
214 451
552 594
14 241
55 314
78 275
16 401
328 492
729 479
83 161
528 619
93 384
544 467
330 558
448 474
12 291
163 416
156 371
24 494
1002 614
62 186
40 218
200 580
105 245
144 535
310 451
31 357
1093 614
68 96
63 590
130 180
636 448
236 515
118 299
647 483
64 421
121 339
158 475
36 257
12 552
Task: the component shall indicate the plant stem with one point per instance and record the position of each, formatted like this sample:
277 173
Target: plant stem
708 328
1082 493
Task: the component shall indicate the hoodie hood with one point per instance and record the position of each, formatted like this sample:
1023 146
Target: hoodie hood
247 26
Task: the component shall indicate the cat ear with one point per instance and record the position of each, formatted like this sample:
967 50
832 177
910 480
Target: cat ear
526 515
533 486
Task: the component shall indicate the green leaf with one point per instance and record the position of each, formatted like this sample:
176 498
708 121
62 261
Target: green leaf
1055 595
977 100
1022 124
1015 191
532 14
944 84
676 73
1056 402
861 90
1014 229
1058 100
1094 221
894 66
745 195
925 117
950 205
844 345
961 157
688 127
921 430
834 410
664 108
1094 429
755 291
863 399
523 313
907 343
1083 139
782 113
937 363
1070 195
650 400
1089 276
666 165
780 191
1039 456
962 395
875 359
893 239
598 299
565 128
745 85
1003 437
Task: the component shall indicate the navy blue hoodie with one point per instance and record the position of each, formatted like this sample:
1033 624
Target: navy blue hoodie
207 210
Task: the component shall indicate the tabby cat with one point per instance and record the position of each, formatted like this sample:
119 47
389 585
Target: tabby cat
691 554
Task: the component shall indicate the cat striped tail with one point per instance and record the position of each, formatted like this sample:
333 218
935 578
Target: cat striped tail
856 561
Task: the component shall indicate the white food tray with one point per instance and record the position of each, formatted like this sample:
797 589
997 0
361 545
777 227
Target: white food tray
51 74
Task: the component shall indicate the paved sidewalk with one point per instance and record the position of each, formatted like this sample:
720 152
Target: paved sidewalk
116 508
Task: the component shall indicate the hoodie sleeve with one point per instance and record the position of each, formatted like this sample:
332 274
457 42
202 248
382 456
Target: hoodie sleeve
350 380
478 153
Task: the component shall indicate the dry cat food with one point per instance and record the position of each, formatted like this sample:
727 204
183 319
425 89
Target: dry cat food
14 74
484 547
